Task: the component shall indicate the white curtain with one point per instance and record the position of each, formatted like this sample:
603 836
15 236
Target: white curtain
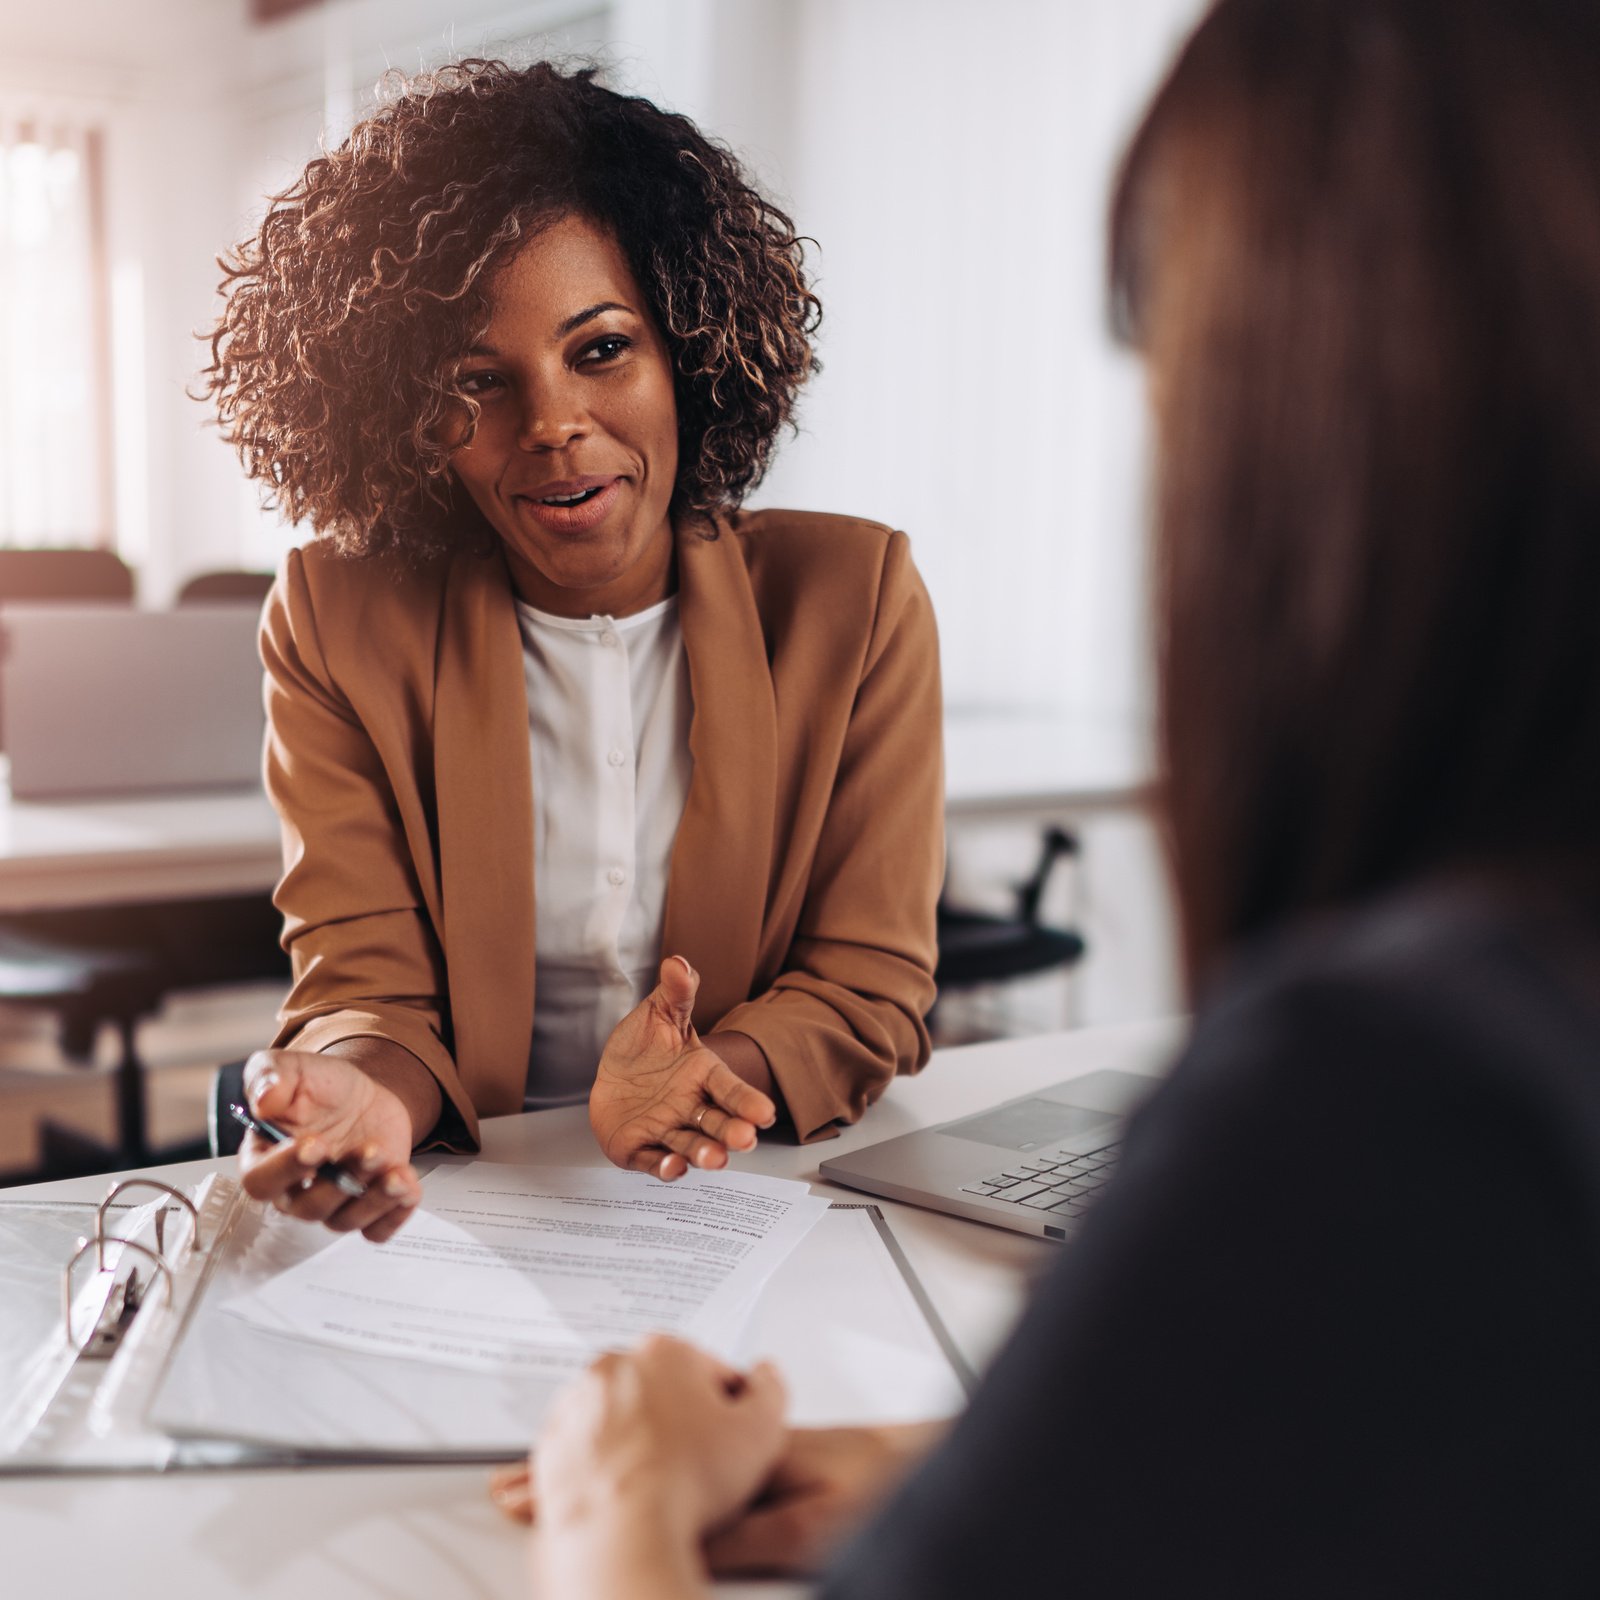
54 487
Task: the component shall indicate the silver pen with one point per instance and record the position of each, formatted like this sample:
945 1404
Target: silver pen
342 1179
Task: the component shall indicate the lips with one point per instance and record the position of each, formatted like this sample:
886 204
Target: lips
570 505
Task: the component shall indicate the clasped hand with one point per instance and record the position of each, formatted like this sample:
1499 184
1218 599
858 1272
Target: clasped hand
662 1100
669 1443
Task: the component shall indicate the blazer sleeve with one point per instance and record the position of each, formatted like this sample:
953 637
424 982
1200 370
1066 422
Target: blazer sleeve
846 1013
365 959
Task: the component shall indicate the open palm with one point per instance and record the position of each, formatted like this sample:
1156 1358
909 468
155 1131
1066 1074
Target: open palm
662 1100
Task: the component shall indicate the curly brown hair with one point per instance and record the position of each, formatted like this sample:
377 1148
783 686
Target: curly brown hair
333 362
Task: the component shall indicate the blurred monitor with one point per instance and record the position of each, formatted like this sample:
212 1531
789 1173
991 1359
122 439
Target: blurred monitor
104 700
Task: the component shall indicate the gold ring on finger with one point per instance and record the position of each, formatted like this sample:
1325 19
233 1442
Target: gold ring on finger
700 1118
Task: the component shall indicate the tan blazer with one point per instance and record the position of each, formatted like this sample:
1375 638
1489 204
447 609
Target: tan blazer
805 872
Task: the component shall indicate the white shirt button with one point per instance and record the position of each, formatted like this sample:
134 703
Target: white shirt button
608 639
616 877
616 757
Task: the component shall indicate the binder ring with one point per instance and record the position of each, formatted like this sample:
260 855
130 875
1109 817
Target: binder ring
101 1236
98 1243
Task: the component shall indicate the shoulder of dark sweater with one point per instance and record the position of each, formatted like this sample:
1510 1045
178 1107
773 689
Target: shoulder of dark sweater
1330 1329
1445 1002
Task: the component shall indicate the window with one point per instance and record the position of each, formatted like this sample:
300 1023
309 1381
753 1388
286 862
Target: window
55 435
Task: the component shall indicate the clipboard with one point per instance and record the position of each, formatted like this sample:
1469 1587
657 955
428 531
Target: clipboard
171 1383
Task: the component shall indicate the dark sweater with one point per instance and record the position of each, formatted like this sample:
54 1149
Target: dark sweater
1335 1329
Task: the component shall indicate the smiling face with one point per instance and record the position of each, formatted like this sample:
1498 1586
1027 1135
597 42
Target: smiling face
576 449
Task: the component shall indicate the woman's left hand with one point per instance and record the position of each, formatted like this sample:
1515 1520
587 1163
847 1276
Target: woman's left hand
647 1453
662 1101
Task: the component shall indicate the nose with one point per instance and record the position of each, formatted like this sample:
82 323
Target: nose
552 417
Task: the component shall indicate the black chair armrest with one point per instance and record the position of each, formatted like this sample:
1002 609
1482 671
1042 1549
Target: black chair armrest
227 1088
1057 842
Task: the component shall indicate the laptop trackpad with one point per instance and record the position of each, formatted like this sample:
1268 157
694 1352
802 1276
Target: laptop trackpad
1027 1124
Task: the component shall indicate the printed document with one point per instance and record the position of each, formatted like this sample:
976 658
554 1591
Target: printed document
535 1271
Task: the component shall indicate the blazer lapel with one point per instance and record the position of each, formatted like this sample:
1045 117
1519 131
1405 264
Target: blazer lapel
484 782
722 858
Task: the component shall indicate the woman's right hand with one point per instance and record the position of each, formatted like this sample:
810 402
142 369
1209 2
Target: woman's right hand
662 1100
338 1113
827 1482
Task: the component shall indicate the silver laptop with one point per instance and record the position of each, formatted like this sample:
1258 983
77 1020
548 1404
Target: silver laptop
106 700
1034 1164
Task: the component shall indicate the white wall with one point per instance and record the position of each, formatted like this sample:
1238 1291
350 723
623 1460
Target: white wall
953 162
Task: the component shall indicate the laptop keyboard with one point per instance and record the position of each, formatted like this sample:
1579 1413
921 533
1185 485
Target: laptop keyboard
1054 1180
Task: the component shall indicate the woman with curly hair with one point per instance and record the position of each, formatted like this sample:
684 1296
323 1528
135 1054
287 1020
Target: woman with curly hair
544 705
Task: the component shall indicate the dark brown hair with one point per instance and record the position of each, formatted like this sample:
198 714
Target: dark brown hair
333 362
1360 242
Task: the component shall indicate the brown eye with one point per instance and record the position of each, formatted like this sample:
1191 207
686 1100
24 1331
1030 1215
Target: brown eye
605 350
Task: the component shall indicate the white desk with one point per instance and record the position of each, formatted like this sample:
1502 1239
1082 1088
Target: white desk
58 854
430 1532
64 853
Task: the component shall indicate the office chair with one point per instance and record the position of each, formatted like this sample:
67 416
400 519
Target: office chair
227 1088
72 575
86 983
63 575
211 587
978 947
118 965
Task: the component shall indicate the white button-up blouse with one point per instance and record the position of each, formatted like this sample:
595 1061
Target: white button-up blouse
608 715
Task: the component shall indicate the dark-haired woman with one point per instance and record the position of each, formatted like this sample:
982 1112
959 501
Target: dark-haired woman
1333 1330
593 787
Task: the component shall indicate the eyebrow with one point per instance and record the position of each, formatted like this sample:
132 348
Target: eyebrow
576 320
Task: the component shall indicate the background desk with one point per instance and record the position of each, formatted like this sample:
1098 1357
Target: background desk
66 853
56 854
430 1532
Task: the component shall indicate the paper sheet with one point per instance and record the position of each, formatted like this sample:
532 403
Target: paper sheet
866 1352
535 1271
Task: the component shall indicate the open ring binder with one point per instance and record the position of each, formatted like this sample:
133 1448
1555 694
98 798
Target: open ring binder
81 1401
124 1297
141 1367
